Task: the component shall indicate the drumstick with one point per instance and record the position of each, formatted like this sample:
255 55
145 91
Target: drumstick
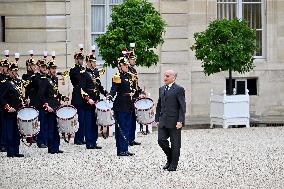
28 101
68 97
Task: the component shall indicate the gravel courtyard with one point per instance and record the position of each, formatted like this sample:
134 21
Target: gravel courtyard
216 158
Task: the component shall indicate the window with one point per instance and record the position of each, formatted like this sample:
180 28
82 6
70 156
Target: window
2 28
100 18
249 10
242 84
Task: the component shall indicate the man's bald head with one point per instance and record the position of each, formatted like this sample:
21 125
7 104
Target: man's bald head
169 76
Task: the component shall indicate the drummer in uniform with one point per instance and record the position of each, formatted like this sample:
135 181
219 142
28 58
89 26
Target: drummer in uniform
3 130
10 100
53 103
123 106
41 89
26 79
80 98
94 90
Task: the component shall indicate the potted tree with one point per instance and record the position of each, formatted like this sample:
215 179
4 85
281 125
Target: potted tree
227 45
134 21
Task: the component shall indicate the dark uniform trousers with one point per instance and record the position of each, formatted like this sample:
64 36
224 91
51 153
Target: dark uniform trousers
91 127
80 134
132 128
42 137
53 134
13 136
124 120
3 132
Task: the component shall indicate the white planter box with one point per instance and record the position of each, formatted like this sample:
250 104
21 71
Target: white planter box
228 110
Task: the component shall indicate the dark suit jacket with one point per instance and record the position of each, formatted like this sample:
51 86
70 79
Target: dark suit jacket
171 107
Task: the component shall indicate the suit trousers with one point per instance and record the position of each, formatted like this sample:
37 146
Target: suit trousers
53 134
13 136
172 152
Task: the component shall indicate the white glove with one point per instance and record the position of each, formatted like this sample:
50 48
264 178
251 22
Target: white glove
90 101
49 109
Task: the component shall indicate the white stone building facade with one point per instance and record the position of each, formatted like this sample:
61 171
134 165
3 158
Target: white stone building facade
61 25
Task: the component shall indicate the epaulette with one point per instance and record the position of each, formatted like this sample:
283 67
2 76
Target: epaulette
116 78
82 71
3 81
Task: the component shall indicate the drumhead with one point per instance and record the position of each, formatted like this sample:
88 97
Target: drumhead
144 104
104 106
66 112
27 113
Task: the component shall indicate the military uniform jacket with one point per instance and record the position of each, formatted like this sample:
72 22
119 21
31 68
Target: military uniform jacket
81 81
122 87
28 77
57 96
96 88
43 90
10 95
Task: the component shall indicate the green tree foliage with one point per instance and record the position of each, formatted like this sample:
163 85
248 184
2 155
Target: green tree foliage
226 45
134 21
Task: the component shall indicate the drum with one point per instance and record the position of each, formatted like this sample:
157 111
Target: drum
67 119
104 113
28 123
144 108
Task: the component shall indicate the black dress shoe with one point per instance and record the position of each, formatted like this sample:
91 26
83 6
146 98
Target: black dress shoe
42 146
3 149
123 154
130 154
167 165
134 143
90 147
172 168
83 142
57 152
78 143
19 155
10 156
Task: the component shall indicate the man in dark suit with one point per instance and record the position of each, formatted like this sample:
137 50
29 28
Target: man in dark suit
170 116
